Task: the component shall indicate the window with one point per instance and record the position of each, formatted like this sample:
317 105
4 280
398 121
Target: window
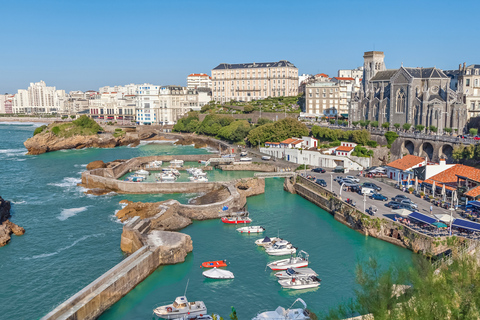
467 82
401 101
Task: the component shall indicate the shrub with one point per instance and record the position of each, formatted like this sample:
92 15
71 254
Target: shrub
360 151
248 109
397 125
118 129
448 130
332 121
406 126
473 131
374 124
391 136
39 130
433 128
419 127
302 167
64 117
72 117
335 143
385 125
360 136
56 130
372 143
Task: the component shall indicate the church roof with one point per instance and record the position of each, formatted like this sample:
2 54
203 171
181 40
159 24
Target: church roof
426 72
435 96
281 63
384 75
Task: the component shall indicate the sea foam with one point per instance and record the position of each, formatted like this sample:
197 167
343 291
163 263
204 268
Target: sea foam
67 182
67 213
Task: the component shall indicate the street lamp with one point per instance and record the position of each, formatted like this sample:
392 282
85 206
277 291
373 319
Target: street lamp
331 182
341 187
364 202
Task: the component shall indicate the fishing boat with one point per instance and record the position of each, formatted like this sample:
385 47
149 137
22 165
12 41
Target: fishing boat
155 164
302 282
218 274
245 159
286 314
281 248
167 177
266 242
181 309
251 229
236 220
214 264
176 163
298 261
142 172
295 272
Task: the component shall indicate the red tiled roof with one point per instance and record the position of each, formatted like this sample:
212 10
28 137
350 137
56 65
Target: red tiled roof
475 192
321 75
439 185
343 78
468 172
406 162
272 142
288 141
297 141
344 148
198 75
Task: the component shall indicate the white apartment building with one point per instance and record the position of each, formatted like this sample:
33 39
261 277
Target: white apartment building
112 106
320 97
199 80
351 73
39 98
147 101
252 81
129 89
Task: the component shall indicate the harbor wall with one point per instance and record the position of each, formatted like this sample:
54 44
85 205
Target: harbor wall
262 167
381 228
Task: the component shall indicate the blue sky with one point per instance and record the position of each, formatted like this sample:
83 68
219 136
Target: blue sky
82 45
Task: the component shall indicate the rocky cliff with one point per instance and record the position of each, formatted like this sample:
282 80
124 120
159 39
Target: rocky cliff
46 142
6 226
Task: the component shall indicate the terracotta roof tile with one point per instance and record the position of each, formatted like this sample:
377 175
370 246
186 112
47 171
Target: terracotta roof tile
406 162
344 148
288 141
343 78
468 172
474 192
297 141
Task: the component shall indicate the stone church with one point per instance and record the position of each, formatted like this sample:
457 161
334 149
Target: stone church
419 96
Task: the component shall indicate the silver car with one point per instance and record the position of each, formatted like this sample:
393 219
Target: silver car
410 203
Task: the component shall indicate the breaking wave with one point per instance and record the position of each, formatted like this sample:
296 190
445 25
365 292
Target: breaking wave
67 213
67 182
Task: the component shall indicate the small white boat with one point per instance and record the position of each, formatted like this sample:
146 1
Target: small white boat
142 172
166 177
243 154
251 229
218 274
266 242
281 248
289 314
135 178
302 282
266 158
155 164
295 272
245 159
177 163
198 179
181 309
299 261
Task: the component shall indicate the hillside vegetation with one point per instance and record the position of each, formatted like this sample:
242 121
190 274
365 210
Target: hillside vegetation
83 126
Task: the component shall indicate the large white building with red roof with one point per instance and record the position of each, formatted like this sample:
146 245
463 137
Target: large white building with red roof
402 168
199 80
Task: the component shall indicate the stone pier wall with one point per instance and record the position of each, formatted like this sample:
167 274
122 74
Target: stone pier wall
262 167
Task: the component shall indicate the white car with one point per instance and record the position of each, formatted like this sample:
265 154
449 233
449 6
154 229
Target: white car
353 179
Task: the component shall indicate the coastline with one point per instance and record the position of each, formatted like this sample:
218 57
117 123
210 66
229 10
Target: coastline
29 119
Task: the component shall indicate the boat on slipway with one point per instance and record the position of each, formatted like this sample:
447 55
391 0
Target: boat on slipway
298 261
181 309
286 314
281 248
236 220
298 283
266 242
218 274
251 229
295 272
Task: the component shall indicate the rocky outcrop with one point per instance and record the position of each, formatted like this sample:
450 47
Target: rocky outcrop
288 186
250 187
6 226
216 195
171 247
99 164
47 142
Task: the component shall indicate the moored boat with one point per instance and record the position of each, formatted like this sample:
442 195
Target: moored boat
286 314
214 264
218 274
251 229
295 272
142 172
246 159
176 163
281 248
302 282
236 220
266 242
155 164
181 309
298 261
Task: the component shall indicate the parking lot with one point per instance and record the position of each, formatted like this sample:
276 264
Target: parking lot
387 190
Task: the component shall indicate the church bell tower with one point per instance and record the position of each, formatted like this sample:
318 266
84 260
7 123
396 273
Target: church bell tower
372 63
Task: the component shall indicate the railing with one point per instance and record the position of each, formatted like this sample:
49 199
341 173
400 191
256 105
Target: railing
273 174
466 248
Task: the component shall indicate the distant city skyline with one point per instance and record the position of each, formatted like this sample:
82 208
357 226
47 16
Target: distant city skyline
89 44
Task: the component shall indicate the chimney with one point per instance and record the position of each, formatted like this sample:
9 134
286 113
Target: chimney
443 162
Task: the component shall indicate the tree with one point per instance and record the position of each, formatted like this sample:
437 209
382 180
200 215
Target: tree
419 127
406 126
473 131
433 128
457 153
367 122
447 130
355 123
396 125
72 116
374 124
385 125
361 136
248 109
391 136
262 121
332 121
277 131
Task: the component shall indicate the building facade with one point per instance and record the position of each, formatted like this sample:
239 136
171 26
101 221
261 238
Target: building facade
418 96
253 81
322 97
113 106
199 80
351 73
39 99
469 87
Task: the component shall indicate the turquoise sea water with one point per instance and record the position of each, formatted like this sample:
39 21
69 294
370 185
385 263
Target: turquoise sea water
72 238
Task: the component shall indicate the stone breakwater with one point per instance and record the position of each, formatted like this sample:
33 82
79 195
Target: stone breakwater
6 226
47 142
384 229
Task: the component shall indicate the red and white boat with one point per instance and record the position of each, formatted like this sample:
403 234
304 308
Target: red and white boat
300 261
236 220
214 264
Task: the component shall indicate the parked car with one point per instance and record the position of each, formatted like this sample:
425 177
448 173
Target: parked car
318 170
378 196
321 182
399 198
353 179
410 203
403 206
372 186
346 180
339 169
391 204
337 178
476 138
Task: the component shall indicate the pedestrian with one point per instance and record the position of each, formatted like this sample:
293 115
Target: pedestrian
431 209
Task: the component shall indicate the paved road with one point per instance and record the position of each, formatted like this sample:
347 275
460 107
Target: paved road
387 190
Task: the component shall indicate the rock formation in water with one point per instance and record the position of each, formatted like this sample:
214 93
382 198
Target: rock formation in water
6 226
47 142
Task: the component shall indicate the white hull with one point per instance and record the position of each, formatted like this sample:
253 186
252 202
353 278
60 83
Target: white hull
282 252
251 229
260 242
297 272
181 309
300 283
